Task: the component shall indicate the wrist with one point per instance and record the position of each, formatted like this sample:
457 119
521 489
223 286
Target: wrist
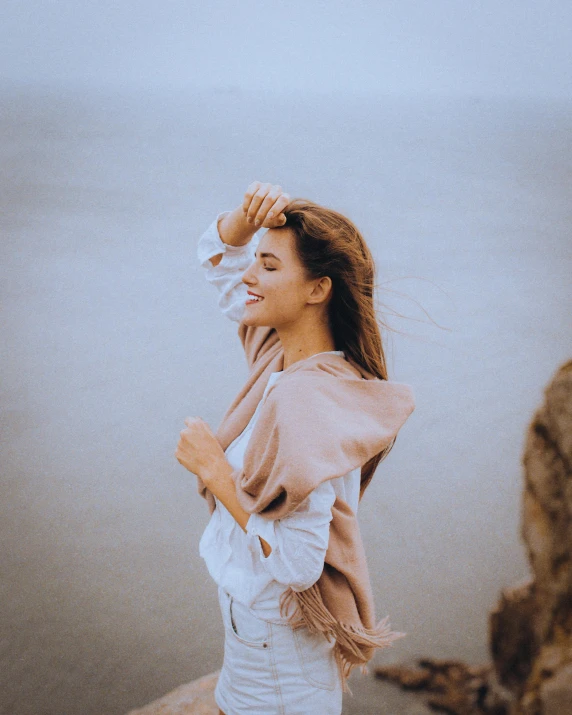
234 229
215 470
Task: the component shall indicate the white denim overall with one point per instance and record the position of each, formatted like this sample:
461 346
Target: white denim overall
272 669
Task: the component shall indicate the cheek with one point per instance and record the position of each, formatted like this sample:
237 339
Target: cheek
284 295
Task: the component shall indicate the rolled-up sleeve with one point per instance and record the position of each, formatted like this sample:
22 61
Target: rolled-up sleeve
227 275
299 541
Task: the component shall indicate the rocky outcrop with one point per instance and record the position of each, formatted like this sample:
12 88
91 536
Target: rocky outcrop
530 631
450 685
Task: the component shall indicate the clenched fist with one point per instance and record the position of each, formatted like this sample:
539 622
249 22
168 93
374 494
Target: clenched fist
198 449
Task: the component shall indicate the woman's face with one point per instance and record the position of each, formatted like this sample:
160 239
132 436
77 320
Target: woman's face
280 280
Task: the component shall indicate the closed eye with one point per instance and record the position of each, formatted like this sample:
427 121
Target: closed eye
269 269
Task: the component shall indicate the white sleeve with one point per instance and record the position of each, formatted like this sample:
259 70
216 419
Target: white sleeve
227 275
299 541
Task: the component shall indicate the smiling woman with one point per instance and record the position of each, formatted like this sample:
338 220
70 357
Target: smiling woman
294 630
296 304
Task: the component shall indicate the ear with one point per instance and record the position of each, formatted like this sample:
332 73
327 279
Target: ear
322 289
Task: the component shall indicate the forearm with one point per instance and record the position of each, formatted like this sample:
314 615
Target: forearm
234 229
219 481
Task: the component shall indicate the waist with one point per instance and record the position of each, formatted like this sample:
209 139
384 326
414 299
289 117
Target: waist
266 606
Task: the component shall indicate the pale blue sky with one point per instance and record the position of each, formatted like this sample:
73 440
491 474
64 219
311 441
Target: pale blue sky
412 46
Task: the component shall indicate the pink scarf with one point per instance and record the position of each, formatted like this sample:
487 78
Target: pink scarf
324 417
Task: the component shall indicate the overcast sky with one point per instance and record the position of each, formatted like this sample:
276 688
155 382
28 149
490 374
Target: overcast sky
489 47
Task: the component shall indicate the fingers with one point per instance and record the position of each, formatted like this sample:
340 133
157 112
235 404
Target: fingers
253 198
267 204
275 216
252 189
189 421
264 203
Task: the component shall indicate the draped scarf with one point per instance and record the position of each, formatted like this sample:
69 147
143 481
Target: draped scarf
324 417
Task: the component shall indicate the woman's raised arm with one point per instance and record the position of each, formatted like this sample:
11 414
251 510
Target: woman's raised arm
239 226
234 230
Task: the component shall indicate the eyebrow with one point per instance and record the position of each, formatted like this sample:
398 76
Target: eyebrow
268 255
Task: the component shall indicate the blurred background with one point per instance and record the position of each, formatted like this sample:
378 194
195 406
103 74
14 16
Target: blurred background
442 129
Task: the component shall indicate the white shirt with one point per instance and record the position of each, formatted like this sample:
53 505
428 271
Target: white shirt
299 541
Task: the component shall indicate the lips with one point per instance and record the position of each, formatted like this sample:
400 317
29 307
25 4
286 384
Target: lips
254 297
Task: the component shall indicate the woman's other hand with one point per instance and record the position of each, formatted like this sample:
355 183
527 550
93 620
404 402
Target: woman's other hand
198 450
263 205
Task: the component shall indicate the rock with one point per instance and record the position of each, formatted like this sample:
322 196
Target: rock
512 642
408 678
196 698
556 693
531 629
453 686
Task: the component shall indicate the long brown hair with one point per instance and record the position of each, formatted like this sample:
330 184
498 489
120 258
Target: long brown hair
329 244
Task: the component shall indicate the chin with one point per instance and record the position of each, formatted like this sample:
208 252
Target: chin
248 318
252 320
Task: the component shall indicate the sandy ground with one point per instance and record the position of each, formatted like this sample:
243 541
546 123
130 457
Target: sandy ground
111 337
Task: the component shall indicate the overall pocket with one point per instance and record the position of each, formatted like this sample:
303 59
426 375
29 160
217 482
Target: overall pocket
247 628
316 658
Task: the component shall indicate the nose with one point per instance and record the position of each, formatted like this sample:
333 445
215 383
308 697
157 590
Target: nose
246 278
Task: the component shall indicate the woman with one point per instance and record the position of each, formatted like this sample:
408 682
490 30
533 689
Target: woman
285 472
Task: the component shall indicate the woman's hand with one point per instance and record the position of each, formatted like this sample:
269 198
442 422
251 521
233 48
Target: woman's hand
264 203
198 450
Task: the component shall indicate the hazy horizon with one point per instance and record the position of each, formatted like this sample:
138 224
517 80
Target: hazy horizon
519 49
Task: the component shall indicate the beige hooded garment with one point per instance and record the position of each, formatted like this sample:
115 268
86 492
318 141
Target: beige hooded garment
324 417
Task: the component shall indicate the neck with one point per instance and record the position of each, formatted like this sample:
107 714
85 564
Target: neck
303 344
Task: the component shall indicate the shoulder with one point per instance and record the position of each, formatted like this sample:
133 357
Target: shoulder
333 388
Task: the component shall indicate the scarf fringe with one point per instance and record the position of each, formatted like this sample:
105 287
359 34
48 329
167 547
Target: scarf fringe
311 612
